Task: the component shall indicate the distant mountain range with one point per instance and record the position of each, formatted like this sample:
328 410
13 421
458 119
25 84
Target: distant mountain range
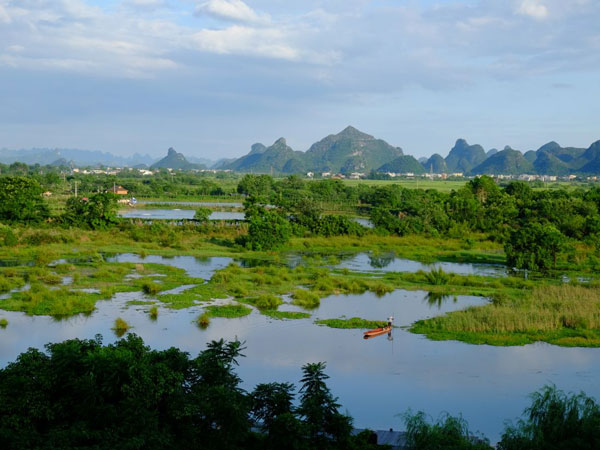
346 152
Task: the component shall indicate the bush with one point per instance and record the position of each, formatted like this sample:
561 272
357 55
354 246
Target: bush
267 301
555 420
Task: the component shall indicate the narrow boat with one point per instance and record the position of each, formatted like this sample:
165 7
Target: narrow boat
377 332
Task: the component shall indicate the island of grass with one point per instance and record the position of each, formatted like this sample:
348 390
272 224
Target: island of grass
354 322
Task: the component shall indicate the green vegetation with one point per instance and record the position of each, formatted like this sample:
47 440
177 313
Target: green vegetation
203 320
167 399
120 327
153 312
306 299
229 311
354 322
275 314
99 211
447 433
567 315
3 323
21 201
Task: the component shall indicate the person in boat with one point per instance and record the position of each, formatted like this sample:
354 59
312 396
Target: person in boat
390 321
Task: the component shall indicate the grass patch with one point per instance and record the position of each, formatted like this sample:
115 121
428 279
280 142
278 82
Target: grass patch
3 323
120 327
566 314
229 311
151 288
203 320
306 299
354 322
285 314
267 302
153 312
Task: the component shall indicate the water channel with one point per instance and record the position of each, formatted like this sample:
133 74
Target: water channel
374 379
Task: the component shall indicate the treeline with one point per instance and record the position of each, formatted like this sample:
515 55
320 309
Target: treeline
535 226
83 394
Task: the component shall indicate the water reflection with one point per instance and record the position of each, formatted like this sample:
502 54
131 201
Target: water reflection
438 299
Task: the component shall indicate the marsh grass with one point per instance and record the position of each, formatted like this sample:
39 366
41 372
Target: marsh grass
437 276
306 299
354 322
285 314
3 323
120 327
564 314
151 288
229 311
203 320
153 312
266 302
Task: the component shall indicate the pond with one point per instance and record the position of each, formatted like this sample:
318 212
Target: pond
201 204
388 262
177 214
374 379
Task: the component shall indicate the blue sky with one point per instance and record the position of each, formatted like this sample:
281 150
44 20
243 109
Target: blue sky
211 77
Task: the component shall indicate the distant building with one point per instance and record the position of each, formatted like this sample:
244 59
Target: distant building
119 190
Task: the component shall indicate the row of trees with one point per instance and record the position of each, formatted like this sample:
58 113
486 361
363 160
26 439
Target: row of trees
83 394
536 227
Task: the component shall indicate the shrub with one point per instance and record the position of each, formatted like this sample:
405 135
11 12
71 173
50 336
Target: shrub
267 301
305 299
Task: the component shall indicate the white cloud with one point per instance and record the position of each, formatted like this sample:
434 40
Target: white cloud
4 17
533 8
246 41
231 10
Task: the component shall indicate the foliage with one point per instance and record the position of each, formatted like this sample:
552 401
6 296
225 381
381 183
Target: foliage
354 322
447 433
326 427
534 247
202 215
234 310
99 211
555 420
21 200
267 230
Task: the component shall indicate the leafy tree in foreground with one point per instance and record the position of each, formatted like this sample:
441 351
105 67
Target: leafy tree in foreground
326 427
555 421
448 433
21 201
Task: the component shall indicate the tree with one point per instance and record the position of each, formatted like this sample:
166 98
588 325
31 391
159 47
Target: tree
534 247
326 426
555 421
447 433
99 211
267 230
202 215
21 201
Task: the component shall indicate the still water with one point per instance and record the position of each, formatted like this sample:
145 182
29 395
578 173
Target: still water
374 379
177 214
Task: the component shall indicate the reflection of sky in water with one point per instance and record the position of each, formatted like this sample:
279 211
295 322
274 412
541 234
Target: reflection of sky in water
365 262
375 379
203 204
176 214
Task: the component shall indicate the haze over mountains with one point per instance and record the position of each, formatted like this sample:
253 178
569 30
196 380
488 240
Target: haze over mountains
347 152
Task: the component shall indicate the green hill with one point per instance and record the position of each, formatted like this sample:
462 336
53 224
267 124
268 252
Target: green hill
592 159
175 160
350 151
346 152
463 157
505 162
548 164
403 164
279 158
436 164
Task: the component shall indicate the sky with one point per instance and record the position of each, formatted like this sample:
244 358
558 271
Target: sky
212 77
